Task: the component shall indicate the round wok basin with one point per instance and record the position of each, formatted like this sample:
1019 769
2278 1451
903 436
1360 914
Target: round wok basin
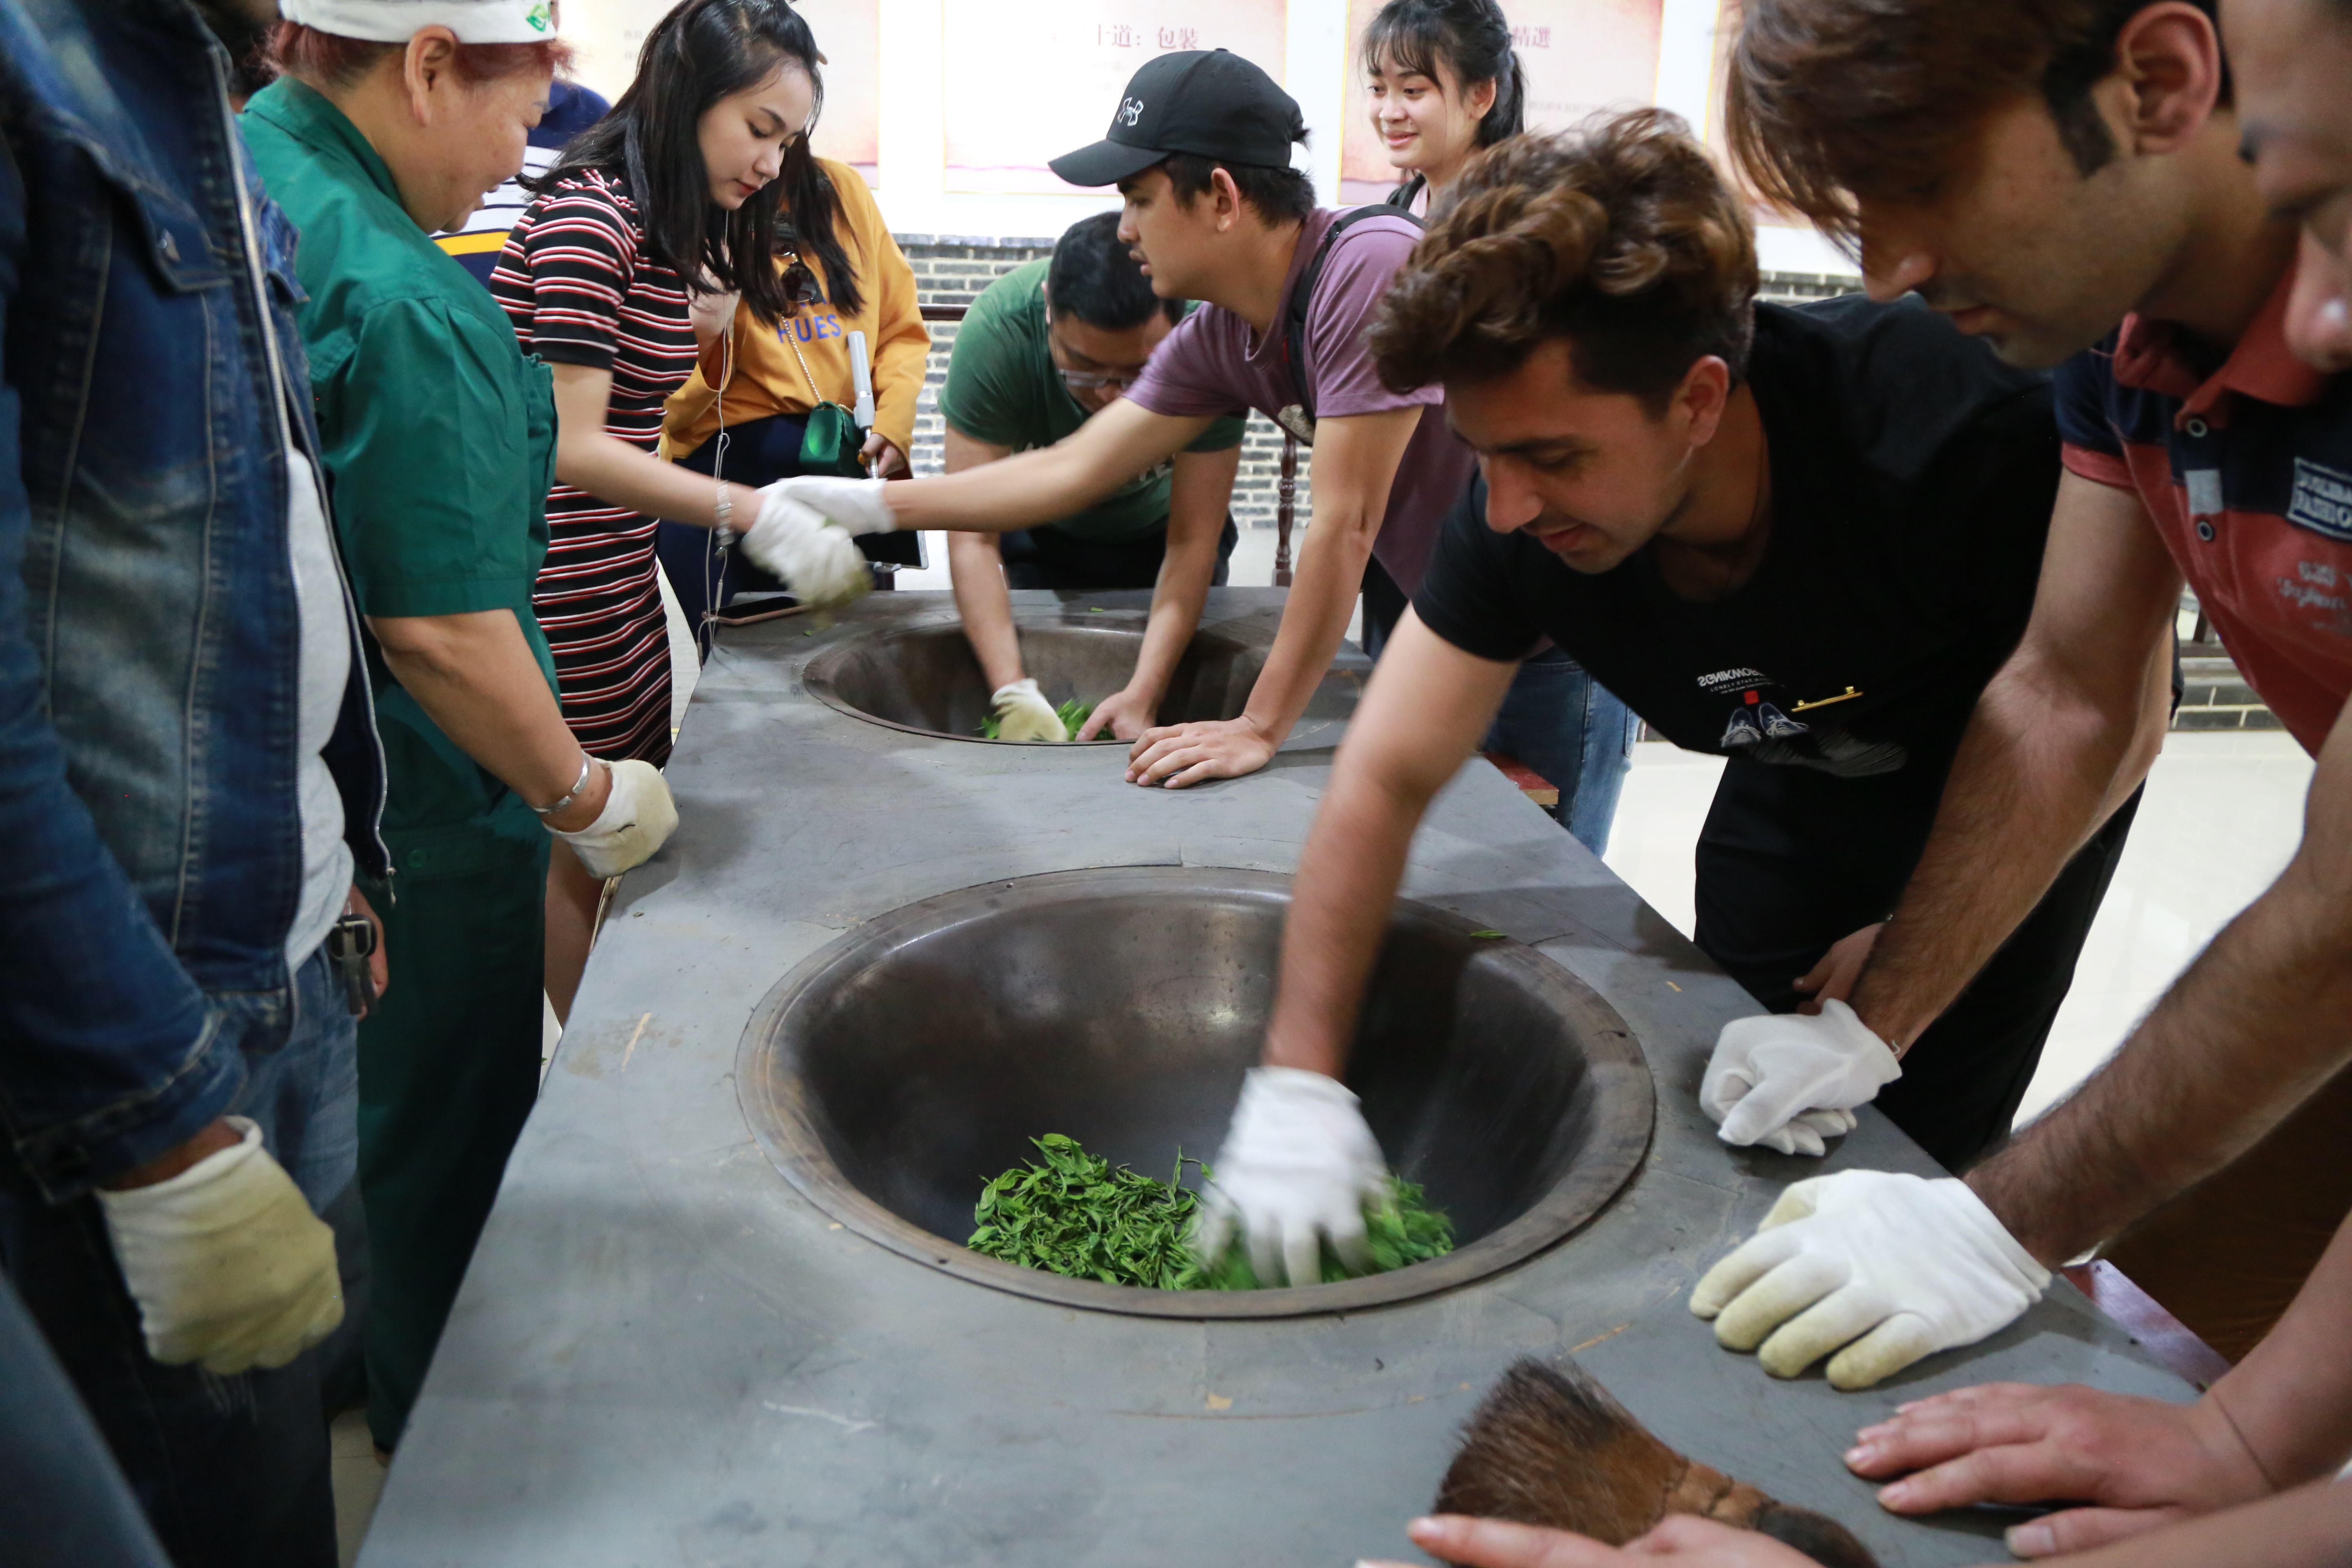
926 680
896 1072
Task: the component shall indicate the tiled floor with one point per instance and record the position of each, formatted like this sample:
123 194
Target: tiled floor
2222 813
358 1481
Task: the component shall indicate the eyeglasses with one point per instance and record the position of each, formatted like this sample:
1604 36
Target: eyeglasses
1083 380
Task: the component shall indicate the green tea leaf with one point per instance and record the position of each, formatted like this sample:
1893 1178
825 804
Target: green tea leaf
1075 1214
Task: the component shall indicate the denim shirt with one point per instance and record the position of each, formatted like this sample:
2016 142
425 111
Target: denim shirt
150 638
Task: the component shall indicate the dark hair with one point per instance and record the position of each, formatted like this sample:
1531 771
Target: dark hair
1832 100
329 60
1279 196
1096 279
1620 237
701 52
1470 37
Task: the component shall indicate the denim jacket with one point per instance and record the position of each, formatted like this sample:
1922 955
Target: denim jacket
150 852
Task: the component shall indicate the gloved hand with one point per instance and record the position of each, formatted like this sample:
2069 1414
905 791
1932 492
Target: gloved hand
818 562
858 505
1768 1073
228 1263
1892 1268
1298 1165
638 817
1023 715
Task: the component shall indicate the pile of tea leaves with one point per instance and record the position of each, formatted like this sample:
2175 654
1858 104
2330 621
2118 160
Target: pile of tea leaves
1078 1215
1072 714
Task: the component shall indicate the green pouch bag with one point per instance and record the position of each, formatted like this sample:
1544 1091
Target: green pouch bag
832 443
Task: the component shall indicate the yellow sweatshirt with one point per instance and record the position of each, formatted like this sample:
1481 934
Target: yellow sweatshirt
766 378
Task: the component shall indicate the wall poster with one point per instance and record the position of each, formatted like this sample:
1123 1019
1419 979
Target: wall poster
609 33
1017 95
1581 56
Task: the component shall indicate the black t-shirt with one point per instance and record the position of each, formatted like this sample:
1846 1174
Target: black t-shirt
1912 479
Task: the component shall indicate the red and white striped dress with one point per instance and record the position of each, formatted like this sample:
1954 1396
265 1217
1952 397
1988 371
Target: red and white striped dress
581 288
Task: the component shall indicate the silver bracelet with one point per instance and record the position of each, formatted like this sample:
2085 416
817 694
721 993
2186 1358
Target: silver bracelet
587 765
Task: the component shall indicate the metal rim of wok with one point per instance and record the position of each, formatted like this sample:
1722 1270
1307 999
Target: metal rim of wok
770 1097
821 677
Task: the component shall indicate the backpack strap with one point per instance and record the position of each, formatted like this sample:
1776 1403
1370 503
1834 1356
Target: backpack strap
1294 318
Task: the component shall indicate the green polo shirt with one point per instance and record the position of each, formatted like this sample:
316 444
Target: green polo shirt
1002 388
437 434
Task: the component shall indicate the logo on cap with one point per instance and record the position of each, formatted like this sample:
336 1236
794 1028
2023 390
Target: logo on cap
1130 109
542 17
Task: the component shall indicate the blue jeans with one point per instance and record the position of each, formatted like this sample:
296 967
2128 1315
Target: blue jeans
1572 732
231 1471
1571 728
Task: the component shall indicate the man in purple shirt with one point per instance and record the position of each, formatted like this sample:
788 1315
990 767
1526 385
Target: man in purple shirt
1200 149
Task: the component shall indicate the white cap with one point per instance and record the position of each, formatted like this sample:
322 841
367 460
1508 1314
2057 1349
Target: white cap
397 21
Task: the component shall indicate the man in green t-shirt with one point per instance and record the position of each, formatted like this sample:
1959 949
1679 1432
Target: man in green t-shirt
1044 346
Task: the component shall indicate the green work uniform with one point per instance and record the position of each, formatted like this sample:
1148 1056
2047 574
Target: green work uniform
1002 388
438 438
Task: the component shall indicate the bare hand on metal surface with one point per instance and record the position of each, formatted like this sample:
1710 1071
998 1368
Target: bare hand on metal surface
1126 714
817 560
1833 979
1023 715
1298 1167
1785 1082
1177 755
638 817
858 506
1890 1268
1681 1537
227 1264
2136 1464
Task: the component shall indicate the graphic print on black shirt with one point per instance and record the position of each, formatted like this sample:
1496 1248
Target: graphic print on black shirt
1912 479
1762 731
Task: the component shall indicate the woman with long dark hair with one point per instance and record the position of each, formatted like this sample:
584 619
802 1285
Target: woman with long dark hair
639 241
1446 84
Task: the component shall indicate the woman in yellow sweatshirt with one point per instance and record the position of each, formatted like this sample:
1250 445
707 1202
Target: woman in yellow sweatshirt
759 384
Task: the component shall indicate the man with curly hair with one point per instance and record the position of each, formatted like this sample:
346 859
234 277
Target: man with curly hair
1801 539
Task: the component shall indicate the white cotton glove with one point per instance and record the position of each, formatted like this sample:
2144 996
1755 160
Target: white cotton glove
1787 1081
228 1263
638 817
1891 1268
858 505
1023 715
1298 1165
817 561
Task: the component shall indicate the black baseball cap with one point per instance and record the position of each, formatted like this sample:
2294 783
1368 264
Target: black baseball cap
1210 103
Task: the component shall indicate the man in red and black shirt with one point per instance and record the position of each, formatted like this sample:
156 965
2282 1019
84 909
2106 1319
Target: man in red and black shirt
2042 173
